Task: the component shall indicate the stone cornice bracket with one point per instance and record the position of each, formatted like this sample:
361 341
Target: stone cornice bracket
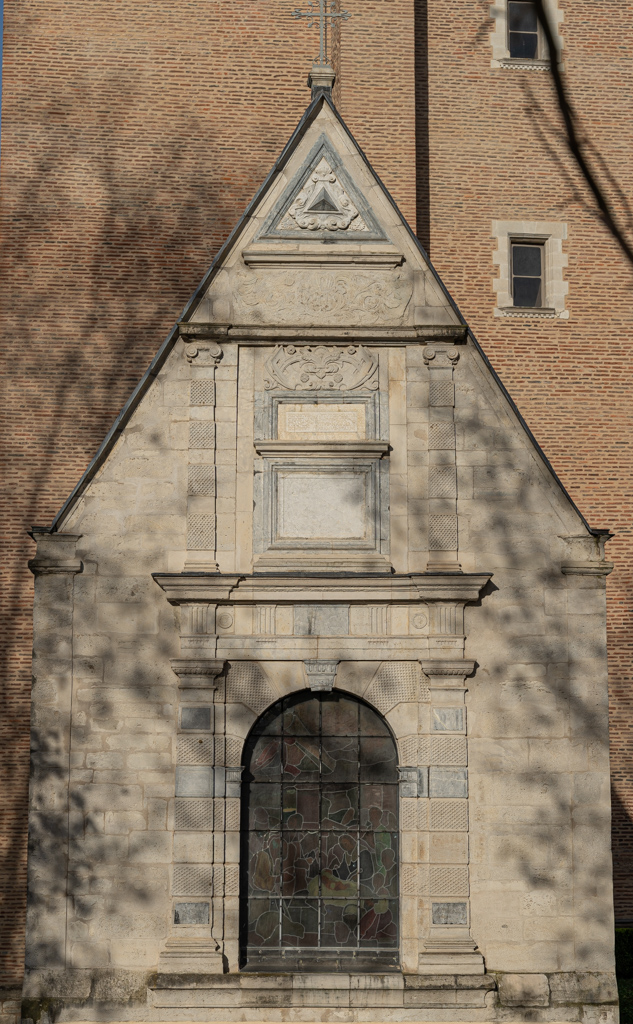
55 553
587 568
204 355
585 555
197 673
443 673
450 586
321 675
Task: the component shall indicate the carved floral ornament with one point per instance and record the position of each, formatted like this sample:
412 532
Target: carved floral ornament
321 368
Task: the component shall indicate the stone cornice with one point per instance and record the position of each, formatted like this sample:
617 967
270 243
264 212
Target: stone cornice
188 588
454 333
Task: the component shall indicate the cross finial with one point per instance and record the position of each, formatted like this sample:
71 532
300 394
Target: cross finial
326 11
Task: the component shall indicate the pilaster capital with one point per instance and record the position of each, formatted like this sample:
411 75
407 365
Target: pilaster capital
55 553
203 354
197 673
447 672
443 356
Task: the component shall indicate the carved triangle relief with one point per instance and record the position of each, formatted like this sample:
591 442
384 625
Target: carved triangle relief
322 201
322 204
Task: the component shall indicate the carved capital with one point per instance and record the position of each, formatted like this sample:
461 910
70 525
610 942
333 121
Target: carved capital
208 354
55 553
440 357
447 672
198 673
321 675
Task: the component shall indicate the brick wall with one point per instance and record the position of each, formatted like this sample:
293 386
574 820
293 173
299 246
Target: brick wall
495 153
132 138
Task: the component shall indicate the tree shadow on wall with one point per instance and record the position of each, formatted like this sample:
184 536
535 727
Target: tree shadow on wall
107 236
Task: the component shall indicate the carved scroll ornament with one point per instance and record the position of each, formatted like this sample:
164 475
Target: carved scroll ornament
321 368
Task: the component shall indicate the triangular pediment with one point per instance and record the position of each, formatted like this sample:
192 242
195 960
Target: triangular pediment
322 201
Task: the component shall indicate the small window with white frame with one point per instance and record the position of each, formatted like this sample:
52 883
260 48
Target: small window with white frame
531 264
517 40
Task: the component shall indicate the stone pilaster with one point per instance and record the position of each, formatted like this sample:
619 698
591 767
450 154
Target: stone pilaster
442 478
54 567
201 488
448 945
193 945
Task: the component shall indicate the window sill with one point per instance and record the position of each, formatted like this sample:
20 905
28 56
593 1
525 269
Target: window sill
521 62
542 312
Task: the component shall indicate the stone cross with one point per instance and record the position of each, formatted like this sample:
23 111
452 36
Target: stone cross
326 10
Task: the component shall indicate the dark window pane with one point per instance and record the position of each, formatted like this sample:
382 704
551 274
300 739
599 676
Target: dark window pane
302 719
264 806
263 922
379 807
339 758
378 760
527 291
522 16
378 857
339 865
339 806
264 863
339 923
371 724
265 760
526 260
301 807
301 864
300 923
523 45
378 922
339 716
301 758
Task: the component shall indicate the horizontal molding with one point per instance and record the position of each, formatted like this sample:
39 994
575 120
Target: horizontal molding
313 586
315 449
251 334
388 260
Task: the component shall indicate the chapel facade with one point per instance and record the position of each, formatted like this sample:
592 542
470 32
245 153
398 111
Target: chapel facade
320 706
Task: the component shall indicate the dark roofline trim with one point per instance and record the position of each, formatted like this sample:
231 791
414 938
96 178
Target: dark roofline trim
159 359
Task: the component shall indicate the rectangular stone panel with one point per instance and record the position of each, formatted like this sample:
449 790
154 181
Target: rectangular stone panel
441 435
194 750
325 620
194 781
201 434
202 392
448 782
449 913
202 480
198 719
448 816
191 913
443 533
193 880
321 422
201 533
441 392
448 719
448 880
322 505
194 815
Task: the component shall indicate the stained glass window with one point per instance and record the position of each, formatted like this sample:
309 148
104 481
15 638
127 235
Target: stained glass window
320 840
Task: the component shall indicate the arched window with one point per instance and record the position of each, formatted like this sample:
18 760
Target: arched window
319 879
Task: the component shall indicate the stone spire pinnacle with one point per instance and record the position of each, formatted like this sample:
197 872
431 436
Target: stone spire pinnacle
321 78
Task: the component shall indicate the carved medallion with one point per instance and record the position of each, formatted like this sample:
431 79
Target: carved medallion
321 368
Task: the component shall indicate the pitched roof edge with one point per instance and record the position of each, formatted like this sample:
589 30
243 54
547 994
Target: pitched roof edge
160 357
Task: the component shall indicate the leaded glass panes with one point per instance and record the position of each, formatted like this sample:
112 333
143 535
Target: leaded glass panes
320 840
